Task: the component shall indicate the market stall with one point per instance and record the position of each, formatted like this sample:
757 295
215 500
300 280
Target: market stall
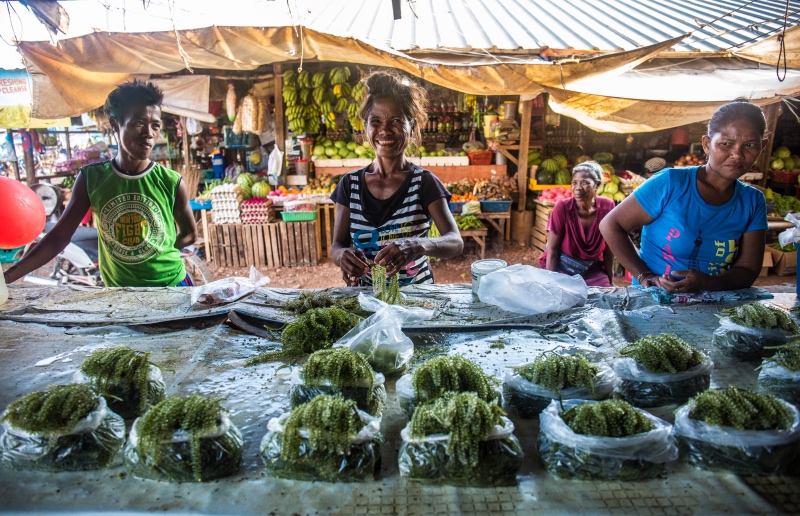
49 332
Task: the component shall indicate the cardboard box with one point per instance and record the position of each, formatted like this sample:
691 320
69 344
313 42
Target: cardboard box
785 264
766 264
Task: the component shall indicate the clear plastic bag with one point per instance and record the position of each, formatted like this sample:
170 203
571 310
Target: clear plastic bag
93 443
528 290
126 400
227 290
586 457
780 381
360 463
380 337
744 452
300 393
428 460
528 399
642 388
746 343
220 455
404 390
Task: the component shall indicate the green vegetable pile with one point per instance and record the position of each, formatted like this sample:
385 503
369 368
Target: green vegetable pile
786 249
316 329
207 458
122 376
665 353
67 183
758 315
464 417
465 222
54 411
785 203
740 409
321 299
339 371
386 291
445 374
555 372
608 418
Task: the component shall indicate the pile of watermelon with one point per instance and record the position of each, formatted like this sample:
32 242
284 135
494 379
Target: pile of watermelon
252 186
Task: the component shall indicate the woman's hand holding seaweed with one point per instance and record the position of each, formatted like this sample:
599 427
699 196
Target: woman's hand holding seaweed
354 265
396 255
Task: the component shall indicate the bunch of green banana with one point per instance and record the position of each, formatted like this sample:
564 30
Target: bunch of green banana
358 91
318 79
289 96
304 79
355 120
289 78
340 105
339 75
342 90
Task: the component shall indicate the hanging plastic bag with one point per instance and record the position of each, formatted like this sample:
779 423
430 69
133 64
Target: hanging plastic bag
743 452
527 290
227 290
193 127
745 342
590 457
642 388
275 164
380 336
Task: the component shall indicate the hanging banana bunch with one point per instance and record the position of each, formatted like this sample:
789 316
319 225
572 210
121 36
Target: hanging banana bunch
352 116
358 91
339 75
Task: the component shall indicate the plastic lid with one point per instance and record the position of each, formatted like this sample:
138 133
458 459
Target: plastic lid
488 265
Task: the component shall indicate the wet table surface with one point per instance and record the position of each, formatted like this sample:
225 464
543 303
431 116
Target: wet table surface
47 332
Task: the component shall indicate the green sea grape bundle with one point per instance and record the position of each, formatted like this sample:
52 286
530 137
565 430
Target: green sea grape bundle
387 291
326 439
661 370
752 330
531 387
186 439
741 431
603 440
65 428
306 301
460 439
780 374
343 372
443 374
316 329
126 378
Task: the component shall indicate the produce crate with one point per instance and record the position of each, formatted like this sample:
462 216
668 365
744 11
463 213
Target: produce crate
539 231
480 157
277 244
495 206
11 255
456 206
298 216
784 176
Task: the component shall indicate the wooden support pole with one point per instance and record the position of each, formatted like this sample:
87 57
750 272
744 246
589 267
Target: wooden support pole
524 140
15 163
69 147
187 158
772 113
30 168
280 117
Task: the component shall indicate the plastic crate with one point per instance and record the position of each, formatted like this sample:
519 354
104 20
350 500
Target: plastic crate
11 255
298 216
456 206
199 205
784 176
495 206
480 157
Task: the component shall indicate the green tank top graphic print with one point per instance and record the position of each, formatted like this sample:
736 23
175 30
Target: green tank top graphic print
135 225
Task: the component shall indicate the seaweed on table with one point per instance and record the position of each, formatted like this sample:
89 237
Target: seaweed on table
751 331
780 374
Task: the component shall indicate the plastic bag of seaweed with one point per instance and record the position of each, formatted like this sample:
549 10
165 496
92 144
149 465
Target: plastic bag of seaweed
323 451
429 460
743 452
227 290
746 342
184 440
528 399
568 454
642 388
92 442
380 336
125 377
780 381
370 396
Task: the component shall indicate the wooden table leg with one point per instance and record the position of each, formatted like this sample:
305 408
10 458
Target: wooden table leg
206 243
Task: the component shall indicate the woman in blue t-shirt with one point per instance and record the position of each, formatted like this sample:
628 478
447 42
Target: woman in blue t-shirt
703 229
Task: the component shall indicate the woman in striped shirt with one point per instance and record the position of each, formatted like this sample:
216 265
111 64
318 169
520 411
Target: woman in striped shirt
384 210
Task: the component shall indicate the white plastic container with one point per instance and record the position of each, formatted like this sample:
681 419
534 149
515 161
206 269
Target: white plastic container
3 289
481 268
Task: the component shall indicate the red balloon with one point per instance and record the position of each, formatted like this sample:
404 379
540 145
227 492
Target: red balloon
22 214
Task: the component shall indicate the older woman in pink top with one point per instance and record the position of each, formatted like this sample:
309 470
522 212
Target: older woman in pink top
574 243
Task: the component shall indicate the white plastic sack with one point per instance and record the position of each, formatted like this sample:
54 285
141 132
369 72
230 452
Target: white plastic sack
275 163
227 290
527 290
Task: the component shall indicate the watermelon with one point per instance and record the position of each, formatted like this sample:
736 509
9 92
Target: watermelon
260 189
550 165
582 159
246 179
544 177
246 192
561 160
603 157
563 177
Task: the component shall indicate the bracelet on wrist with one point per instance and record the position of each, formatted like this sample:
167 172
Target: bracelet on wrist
639 277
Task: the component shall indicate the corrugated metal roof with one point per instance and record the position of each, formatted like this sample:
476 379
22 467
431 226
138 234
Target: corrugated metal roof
517 26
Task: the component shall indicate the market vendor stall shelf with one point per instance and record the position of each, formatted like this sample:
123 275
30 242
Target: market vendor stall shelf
479 235
279 244
497 220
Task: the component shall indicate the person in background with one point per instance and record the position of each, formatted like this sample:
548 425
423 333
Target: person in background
703 229
137 203
384 210
574 242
